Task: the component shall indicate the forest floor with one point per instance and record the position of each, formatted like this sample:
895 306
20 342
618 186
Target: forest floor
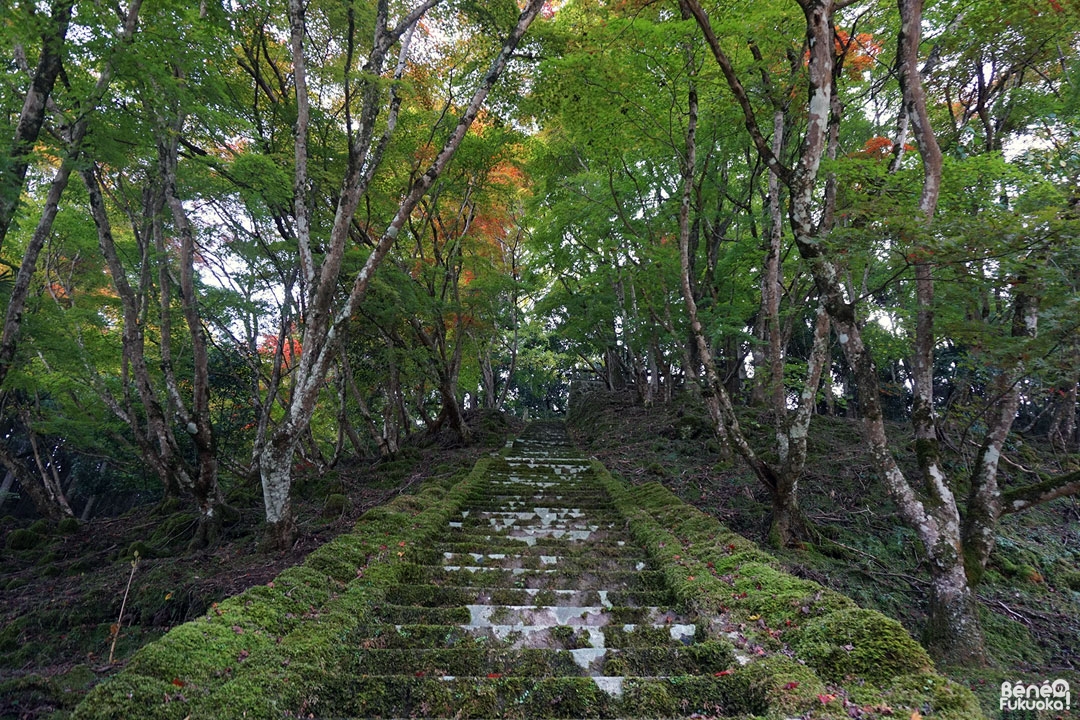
61 597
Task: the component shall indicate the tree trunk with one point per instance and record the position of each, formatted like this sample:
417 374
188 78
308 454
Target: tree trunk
32 116
5 486
984 508
196 420
953 634
30 484
275 469
771 284
1063 426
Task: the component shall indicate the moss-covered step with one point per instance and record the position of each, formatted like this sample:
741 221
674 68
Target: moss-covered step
514 697
524 578
571 615
222 665
574 564
471 655
437 553
476 661
442 595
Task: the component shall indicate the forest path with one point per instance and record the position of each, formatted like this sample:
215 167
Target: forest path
536 602
535 586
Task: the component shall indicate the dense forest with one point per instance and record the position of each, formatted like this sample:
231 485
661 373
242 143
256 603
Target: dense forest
243 243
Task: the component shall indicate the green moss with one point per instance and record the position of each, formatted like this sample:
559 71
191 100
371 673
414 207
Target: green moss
859 643
650 699
140 549
67 526
156 699
23 539
173 533
336 505
779 597
197 652
1010 643
928 693
10 635
787 686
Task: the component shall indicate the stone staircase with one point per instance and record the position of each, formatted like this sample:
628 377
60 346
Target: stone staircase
536 602
535 586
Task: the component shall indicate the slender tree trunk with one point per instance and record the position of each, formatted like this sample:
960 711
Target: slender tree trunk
771 285
5 486
792 431
984 508
160 449
30 483
32 116
49 481
1063 425
953 630
196 418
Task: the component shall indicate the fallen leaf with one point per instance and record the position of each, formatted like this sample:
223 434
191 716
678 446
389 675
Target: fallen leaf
722 673
791 686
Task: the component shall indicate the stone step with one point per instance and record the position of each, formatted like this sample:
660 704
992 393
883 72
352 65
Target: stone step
476 576
493 696
619 548
425 634
481 660
538 561
435 551
571 615
442 595
532 536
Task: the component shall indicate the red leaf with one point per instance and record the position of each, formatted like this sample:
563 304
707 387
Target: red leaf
494 676
722 673
178 682
791 686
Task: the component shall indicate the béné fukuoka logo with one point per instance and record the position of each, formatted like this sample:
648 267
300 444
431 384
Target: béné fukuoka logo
1047 696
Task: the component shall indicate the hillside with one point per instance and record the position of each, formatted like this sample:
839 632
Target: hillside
1030 597
63 593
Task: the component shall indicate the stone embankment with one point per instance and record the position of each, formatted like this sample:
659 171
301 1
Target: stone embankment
538 586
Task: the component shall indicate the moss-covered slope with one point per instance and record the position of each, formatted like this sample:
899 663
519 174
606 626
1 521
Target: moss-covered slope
537 586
